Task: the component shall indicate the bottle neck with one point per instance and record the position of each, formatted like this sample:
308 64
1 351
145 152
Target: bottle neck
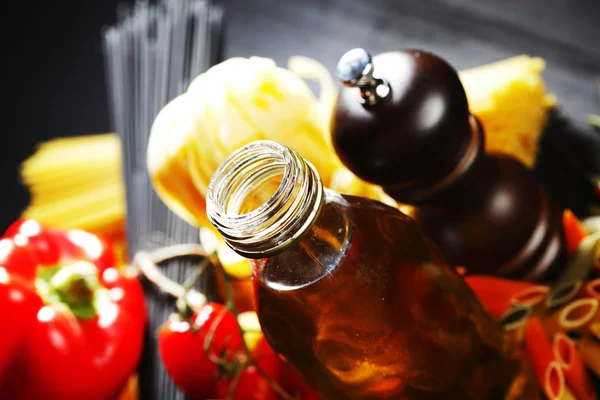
263 198
317 253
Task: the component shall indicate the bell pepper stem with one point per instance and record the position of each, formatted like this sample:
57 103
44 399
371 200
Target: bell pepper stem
75 286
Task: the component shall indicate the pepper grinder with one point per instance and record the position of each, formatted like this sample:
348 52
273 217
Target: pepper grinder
402 121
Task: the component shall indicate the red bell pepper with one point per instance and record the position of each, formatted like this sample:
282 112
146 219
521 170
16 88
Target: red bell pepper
73 324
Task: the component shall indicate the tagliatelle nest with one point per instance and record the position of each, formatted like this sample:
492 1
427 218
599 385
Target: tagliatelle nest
234 103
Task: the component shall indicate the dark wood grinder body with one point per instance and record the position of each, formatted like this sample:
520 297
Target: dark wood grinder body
402 121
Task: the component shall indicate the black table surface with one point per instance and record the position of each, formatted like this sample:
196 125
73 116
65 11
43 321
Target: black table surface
56 80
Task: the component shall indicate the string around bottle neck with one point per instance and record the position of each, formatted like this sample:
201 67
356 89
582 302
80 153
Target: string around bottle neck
255 219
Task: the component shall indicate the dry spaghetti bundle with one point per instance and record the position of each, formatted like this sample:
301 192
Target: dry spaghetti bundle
77 183
151 55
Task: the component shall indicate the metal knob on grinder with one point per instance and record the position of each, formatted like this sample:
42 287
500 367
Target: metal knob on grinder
355 69
419 141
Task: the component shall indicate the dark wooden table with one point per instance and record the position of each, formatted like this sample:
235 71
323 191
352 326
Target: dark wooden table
57 86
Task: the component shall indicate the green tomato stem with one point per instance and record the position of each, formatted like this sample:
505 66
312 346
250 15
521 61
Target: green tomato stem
229 304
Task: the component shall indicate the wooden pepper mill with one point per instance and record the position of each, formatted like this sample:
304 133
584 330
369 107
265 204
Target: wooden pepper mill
402 121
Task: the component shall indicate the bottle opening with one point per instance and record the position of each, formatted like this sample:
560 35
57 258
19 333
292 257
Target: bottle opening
256 184
263 197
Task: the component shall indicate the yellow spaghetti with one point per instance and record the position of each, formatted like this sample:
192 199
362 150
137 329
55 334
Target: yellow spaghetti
77 182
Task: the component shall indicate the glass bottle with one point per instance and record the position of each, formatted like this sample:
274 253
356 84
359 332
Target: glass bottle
349 291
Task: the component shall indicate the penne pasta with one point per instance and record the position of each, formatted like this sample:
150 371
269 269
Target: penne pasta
580 266
575 316
568 395
523 386
573 366
533 297
574 230
590 352
547 369
514 322
553 385
592 224
595 330
496 294
592 289
561 294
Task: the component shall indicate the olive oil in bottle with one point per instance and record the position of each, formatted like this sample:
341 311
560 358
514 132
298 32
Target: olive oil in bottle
349 291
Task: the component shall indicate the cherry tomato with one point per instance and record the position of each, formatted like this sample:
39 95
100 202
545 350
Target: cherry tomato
251 385
181 347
